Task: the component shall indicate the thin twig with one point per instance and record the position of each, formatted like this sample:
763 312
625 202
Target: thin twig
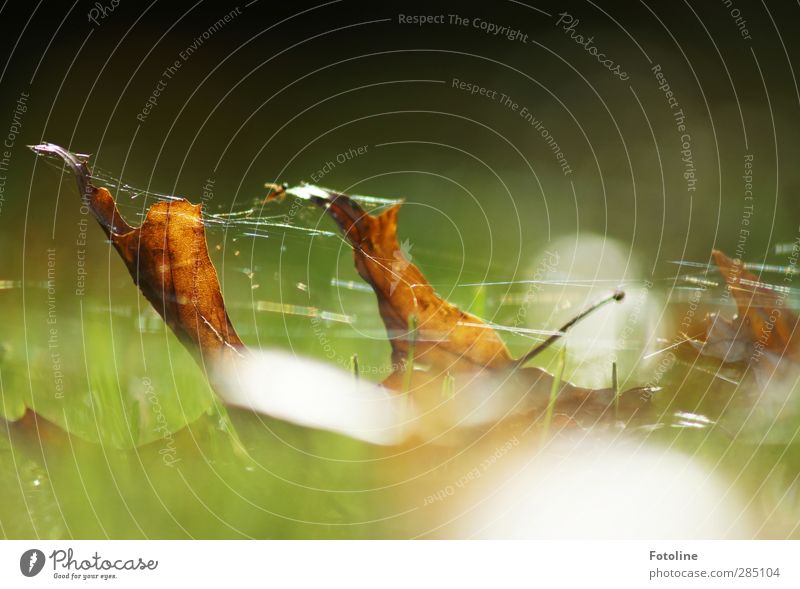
617 295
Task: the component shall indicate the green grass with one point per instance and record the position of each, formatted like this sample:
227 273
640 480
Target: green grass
554 390
132 395
129 404
238 475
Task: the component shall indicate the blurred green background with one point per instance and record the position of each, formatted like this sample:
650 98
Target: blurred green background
273 95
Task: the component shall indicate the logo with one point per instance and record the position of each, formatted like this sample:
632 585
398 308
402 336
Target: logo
31 562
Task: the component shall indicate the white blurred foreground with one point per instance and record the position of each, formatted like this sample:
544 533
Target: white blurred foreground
313 394
578 485
590 487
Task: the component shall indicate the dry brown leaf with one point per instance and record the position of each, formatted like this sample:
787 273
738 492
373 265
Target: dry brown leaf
769 320
763 331
453 344
167 258
445 337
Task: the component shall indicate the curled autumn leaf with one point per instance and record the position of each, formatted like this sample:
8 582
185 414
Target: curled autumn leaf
443 335
167 258
770 323
764 328
451 346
